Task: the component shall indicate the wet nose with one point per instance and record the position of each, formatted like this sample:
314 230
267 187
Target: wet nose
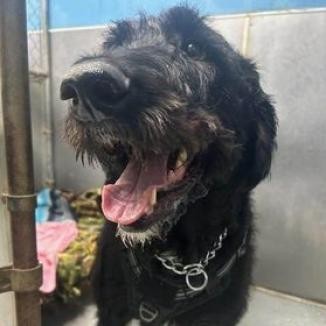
95 87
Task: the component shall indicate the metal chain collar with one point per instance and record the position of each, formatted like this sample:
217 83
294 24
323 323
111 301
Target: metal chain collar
196 269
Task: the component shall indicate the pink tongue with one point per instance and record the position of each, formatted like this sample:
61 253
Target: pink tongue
130 197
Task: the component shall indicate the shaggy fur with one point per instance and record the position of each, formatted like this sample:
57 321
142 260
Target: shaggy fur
188 89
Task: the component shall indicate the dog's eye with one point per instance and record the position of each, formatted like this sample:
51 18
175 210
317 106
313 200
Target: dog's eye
193 50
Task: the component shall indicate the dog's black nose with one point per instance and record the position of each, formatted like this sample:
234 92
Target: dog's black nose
95 86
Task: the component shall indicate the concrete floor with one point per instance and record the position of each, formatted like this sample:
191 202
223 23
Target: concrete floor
267 308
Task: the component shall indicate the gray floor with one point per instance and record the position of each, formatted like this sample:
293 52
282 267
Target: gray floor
267 308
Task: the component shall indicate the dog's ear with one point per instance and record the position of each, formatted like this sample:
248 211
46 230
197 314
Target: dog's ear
259 121
262 129
264 142
242 88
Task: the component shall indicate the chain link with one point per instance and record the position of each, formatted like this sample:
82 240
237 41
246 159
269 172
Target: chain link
171 263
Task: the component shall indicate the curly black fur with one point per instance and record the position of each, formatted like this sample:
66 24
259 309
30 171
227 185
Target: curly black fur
189 89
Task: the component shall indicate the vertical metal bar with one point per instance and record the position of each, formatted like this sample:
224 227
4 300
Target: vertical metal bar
7 301
18 145
46 68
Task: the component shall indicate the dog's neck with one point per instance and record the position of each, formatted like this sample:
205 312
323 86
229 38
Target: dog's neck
193 235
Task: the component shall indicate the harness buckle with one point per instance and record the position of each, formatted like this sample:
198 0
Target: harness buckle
147 312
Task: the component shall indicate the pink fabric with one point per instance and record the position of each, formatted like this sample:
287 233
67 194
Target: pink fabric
53 238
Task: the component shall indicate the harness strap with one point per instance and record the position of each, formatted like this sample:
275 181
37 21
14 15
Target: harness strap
157 315
154 313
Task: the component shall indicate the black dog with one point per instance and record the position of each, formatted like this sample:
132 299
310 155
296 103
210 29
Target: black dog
184 132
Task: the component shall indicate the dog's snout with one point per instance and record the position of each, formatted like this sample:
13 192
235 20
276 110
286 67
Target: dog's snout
95 86
108 89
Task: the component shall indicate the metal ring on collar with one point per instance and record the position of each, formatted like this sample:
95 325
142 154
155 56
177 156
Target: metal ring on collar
197 271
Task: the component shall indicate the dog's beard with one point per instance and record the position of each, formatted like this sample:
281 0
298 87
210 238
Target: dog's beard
121 151
160 229
111 150
131 239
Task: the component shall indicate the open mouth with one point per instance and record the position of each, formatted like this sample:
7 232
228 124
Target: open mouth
147 189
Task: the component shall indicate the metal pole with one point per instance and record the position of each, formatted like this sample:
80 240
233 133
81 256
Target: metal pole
17 134
46 68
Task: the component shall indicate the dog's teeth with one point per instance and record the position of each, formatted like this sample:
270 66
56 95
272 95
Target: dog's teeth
182 158
178 164
154 197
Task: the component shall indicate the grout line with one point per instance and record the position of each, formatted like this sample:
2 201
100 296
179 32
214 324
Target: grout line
245 35
289 297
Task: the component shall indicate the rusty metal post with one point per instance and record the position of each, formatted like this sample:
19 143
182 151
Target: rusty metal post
17 130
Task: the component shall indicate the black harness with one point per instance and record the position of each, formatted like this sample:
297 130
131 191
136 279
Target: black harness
173 295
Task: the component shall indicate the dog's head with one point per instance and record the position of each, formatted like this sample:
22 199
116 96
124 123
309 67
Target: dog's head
170 111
